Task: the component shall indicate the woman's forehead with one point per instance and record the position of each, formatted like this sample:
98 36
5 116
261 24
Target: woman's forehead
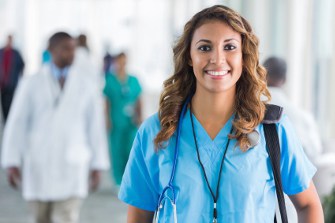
215 29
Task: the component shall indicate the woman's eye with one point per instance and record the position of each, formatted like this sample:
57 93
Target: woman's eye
230 47
204 48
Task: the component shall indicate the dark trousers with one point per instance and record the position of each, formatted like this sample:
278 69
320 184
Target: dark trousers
6 100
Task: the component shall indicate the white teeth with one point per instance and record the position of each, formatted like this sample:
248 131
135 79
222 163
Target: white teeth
217 73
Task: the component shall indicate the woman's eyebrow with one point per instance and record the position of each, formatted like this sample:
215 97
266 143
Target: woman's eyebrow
208 41
231 39
203 40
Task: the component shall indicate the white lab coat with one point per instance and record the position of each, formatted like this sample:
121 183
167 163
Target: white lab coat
55 136
302 121
83 59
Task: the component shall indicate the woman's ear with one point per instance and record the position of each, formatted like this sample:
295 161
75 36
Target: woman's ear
190 62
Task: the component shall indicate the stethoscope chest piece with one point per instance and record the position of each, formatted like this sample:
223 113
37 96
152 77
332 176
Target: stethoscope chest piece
253 138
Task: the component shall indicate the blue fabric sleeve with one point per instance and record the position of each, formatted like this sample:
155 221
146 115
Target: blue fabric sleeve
137 188
296 169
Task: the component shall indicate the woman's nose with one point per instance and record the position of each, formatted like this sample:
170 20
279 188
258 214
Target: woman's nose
217 57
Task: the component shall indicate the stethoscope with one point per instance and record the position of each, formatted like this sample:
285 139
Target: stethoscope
164 196
253 137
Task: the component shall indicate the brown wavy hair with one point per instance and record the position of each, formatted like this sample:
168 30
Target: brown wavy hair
249 107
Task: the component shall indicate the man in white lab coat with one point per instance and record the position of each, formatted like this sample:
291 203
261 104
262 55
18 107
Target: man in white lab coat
302 121
55 139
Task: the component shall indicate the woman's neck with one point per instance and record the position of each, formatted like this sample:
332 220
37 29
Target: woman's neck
121 75
213 110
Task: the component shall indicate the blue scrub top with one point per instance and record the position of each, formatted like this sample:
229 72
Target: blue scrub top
247 188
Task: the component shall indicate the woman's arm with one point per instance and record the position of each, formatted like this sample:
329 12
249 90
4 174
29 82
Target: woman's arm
308 205
138 112
136 215
107 115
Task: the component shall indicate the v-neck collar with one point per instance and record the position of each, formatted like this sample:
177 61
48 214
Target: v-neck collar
211 150
202 135
122 82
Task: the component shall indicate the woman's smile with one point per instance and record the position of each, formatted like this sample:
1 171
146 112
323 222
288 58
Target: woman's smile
217 74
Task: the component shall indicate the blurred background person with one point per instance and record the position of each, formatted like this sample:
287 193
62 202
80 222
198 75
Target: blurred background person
82 42
46 56
124 111
303 121
82 50
11 68
107 61
84 62
55 137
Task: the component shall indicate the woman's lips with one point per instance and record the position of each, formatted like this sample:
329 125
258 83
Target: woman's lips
217 74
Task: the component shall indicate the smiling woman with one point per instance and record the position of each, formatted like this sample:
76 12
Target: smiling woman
216 57
216 38
194 161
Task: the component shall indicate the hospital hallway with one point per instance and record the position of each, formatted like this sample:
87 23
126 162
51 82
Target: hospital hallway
100 207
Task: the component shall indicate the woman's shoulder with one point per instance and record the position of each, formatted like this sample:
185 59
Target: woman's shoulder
284 127
132 77
286 132
146 135
284 123
150 127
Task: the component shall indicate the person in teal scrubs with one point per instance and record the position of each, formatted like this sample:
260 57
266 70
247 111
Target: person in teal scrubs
220 174
124 114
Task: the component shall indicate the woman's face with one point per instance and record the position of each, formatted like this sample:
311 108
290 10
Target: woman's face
216 57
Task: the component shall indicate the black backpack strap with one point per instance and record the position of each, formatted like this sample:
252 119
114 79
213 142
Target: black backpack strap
272 116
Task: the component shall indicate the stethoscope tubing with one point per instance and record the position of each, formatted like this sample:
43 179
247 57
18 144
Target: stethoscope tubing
175 159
